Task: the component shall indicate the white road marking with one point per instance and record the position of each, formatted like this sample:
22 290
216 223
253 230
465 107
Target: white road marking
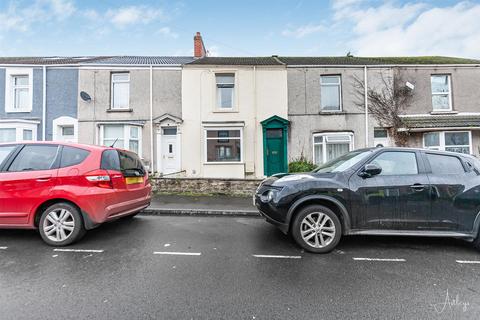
276 256
3 248
468 261
178 253
78 250
166 245
380 259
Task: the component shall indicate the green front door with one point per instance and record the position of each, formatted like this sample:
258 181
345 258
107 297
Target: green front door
275 152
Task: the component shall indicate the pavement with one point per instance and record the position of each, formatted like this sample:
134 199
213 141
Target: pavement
184 267
201 205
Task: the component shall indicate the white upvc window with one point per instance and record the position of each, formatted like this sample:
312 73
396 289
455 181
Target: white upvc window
225 86
18 90
331 93
441 92
123 136
224 145
120 89
331 145
455 141
18 130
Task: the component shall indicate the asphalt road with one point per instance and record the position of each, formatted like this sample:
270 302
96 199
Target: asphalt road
222 269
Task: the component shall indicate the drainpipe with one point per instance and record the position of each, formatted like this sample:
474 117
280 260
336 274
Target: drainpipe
152 162
366 104
255 120
44 102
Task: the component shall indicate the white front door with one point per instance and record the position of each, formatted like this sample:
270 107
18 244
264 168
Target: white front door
169 150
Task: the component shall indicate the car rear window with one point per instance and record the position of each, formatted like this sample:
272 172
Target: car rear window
35 157
72 156
130 164
443 164
110 160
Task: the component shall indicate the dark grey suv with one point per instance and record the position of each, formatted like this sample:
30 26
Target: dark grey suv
378 191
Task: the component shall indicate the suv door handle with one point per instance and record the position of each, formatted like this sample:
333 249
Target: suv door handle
44 178
417 187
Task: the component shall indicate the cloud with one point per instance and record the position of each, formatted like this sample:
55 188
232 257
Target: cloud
127 16
167 32
303 31
62 9
413 29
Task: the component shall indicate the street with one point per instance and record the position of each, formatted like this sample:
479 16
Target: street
176 267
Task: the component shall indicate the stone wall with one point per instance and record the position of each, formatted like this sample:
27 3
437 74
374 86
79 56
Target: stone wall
236 187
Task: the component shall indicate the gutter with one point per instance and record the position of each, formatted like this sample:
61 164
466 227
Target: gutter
383 65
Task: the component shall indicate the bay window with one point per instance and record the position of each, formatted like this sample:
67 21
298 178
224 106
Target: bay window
8 135
441 92
121 136
328 146
224 145
120 90
330 95
454 141
16 130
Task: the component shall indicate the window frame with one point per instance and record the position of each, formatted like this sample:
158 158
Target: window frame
10 87
351 146
339 84
441 140
205 156
126 136
112 89
233 108
19 125
449 93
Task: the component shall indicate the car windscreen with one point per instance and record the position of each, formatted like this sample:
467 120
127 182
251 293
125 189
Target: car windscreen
130 164
344 162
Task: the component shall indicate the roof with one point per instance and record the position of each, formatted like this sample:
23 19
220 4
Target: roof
442 121
351 60
239 61
98 60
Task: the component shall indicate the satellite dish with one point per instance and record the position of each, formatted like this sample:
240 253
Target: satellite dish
85 96
410 85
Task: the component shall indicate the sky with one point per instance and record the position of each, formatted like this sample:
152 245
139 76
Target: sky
240 27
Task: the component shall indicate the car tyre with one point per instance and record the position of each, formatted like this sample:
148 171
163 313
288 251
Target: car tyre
476 242
317 229
61 224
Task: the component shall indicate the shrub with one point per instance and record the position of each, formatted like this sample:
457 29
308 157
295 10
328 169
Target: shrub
301 165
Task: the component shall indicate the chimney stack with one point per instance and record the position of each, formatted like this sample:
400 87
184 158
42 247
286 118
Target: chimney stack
198 46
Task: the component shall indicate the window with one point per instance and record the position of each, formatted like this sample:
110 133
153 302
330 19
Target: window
380 137
5 152
121 136
442 164
18 89
8 134
223 150
397 163
27 135
225 90
110 160
169 131
328 146
72 156
454 141
34 157
20 92
441 92
330 93
120 90
67 131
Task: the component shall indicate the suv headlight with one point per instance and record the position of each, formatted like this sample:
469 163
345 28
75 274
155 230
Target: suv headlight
269 196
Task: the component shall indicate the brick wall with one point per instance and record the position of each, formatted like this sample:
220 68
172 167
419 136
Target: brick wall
237 187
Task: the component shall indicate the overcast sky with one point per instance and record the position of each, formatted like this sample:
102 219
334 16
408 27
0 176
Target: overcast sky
239 28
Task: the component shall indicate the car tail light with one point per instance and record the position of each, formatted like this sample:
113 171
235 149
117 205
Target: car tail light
99 178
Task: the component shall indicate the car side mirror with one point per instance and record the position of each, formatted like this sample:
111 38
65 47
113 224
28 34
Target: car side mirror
370 170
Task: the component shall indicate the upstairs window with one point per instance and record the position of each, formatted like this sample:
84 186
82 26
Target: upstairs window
441 92
18 89
225 90
330 95
120 91
20 92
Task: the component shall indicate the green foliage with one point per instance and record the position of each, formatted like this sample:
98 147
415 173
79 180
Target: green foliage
301 165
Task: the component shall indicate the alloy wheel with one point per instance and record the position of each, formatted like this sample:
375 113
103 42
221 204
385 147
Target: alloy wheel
59 225
317 230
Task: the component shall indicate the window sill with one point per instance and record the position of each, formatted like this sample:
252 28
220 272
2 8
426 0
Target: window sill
18 111
225 111
119 110
220 162
332 112
443 112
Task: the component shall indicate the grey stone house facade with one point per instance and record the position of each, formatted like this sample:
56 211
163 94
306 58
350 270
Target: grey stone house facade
134 103
326 119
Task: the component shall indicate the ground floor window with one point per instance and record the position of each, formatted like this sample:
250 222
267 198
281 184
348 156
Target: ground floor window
122 136
455 141
223 145
331 145
13 131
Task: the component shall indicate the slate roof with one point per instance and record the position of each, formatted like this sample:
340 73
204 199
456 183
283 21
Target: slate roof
97 60
352 60
442 121
238 61
45 60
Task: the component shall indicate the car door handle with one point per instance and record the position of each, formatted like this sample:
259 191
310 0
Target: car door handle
44 178
417 187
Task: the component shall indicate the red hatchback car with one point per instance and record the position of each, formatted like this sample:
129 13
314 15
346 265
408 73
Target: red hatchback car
64 189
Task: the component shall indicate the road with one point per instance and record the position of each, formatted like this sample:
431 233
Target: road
223 268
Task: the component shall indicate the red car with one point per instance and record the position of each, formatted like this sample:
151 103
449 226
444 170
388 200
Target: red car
64 189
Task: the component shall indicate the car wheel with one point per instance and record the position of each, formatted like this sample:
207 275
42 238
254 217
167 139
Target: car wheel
61 224
476 242
317 229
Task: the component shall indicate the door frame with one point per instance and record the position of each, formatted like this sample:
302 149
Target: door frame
160 146
275 122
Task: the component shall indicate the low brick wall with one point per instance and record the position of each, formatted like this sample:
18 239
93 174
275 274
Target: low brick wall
235 187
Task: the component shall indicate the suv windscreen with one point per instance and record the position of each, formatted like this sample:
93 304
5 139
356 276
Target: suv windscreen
35 157
130 164
72 156
344 162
